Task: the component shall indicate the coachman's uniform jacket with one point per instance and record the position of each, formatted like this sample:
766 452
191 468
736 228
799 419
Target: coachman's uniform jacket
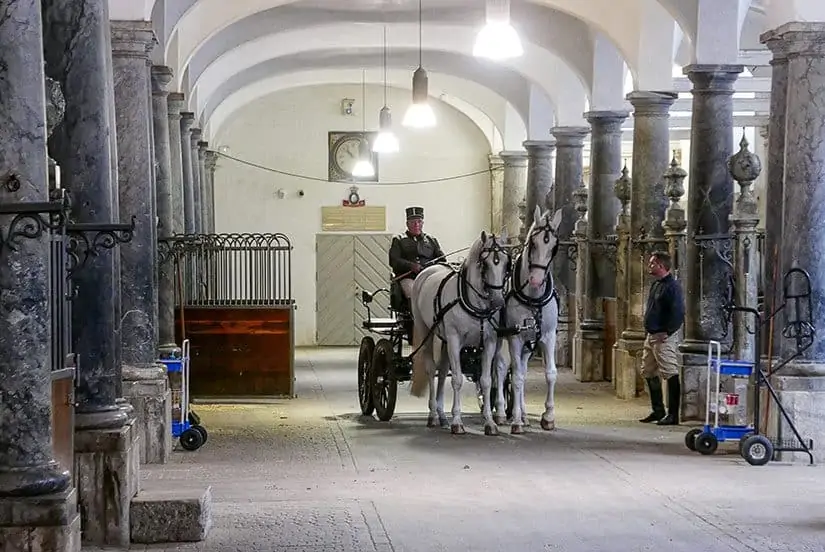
406 250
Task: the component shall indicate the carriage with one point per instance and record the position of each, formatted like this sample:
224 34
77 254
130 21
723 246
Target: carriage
383 364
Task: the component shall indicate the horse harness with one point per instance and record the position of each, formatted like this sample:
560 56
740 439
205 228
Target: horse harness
535 304
499 254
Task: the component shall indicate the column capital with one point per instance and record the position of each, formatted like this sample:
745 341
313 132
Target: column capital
607 116
211 160
513 157
802 38
495 159
712 78
174 102
203 146
161 77
651 103
570 136
539 148
132 39
196 136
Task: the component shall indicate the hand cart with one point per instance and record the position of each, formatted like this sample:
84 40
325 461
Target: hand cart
185 424
755 447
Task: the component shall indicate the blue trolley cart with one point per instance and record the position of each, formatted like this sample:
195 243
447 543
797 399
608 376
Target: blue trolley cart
754 445
185 424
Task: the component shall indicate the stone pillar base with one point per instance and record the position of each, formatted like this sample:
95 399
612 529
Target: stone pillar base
804 400
694 368
588 354
107 465
48 523
627 363
564 344
148 391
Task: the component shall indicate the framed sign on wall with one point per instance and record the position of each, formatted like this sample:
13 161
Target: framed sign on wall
345 149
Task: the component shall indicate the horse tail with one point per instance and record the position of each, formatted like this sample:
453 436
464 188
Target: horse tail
420 380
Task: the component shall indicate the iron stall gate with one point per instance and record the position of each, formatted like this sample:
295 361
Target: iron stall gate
233 299
233 270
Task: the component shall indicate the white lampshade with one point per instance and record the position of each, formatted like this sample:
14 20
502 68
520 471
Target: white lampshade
420 114
363 168
498 40
386 141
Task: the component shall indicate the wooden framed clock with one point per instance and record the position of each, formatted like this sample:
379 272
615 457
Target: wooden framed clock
344 151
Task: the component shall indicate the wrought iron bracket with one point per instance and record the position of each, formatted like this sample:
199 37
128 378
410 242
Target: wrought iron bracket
607 246
30 221
572 250
88 239
721 244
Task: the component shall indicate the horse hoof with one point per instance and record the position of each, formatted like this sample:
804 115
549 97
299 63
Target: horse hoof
458 429
431 421
499 420
548 426
490 430
516 429
445 423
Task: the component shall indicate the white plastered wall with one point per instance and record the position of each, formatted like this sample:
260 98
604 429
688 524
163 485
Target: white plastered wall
288 130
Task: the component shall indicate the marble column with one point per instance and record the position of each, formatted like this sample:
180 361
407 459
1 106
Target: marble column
210 163
197 170
515 186
161 77
801 383
705 274
187 118
174 105
496 191
651 154
599 266
78 54
145 381
203 147
539 172
27 463
775 183
569 177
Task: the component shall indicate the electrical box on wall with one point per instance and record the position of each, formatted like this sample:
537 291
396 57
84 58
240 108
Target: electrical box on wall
346 106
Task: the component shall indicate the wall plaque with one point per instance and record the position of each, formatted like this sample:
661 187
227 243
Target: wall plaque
369 218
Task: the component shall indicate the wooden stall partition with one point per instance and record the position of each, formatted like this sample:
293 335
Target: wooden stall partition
610 337
63 418
239 352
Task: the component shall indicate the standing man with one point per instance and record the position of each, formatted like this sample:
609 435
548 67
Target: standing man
664 315
412 250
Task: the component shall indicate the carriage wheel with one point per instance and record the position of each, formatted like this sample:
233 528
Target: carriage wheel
382 380
364 364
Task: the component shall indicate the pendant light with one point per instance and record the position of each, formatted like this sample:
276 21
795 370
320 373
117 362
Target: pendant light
420 113
363 168
498 39
386 141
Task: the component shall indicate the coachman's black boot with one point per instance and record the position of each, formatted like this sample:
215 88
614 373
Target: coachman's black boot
674 396
654 386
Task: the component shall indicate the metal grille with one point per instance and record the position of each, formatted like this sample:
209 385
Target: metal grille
61 295
232 270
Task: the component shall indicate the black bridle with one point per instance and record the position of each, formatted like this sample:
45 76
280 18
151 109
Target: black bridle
499 253
546 231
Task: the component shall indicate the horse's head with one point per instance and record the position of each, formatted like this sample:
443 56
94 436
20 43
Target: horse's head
541 245
493 261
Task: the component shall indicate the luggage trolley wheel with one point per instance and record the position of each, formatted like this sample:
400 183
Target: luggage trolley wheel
191 439
690 438
365 353
202 430
757 450
706 443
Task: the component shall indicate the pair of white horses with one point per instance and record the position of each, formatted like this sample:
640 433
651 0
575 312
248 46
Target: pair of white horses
464 309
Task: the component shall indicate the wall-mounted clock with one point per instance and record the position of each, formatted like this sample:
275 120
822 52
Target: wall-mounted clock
345 150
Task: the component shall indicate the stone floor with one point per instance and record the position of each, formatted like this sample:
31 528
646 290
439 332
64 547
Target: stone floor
310 474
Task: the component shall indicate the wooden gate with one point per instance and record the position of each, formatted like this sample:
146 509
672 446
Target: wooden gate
345 265
234 303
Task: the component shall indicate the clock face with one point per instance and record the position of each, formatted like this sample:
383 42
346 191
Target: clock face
345 151
346 154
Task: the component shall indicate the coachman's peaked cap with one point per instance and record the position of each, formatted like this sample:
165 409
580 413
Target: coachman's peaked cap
415 212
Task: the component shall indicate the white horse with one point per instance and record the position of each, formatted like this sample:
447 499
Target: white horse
533 306
457 306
